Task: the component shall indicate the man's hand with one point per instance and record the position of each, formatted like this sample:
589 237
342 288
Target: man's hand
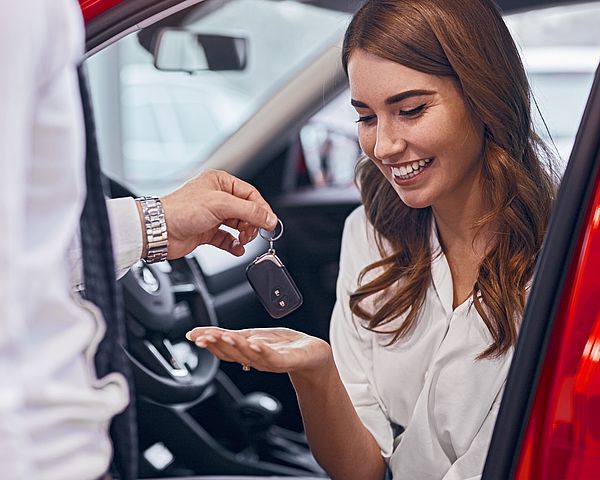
195 211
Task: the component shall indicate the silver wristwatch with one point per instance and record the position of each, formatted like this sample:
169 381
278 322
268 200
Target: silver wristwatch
156 229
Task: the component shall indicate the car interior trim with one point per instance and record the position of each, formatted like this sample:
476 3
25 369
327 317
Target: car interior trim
104 30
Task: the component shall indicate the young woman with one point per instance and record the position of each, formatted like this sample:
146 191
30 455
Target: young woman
435 265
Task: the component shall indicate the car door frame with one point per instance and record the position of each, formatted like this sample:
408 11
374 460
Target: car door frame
554 274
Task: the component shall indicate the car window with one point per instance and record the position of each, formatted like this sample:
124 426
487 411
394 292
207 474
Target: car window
560 48
170 122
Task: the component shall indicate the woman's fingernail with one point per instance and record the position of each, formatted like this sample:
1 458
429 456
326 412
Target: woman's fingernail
201 343
271 218
255 347
188 335
210 338
235 244
228 339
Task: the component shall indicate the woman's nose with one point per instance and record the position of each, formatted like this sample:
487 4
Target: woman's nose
389 142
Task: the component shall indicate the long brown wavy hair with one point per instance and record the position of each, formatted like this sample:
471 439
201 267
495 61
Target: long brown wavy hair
468 41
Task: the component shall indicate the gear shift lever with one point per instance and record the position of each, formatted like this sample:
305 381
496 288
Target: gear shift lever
258 412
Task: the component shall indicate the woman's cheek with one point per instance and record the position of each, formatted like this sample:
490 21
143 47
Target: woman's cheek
366 141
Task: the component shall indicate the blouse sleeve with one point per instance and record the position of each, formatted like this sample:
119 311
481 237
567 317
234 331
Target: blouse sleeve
351 343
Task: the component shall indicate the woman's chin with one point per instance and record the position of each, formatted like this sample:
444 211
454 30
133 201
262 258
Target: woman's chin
415 201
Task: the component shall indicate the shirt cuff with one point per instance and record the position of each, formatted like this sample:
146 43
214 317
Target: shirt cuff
126 232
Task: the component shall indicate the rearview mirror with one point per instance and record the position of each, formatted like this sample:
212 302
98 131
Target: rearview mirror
178 50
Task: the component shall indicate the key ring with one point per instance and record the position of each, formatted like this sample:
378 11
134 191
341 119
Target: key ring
269 235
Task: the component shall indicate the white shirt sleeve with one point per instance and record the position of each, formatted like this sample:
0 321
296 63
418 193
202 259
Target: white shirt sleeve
19 55
54 412
351 343
126 234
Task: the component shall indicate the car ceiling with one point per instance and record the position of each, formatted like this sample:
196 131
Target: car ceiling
116 21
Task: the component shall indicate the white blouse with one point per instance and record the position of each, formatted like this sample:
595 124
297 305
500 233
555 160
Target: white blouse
428 383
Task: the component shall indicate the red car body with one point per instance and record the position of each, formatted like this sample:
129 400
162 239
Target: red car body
92 8
562 440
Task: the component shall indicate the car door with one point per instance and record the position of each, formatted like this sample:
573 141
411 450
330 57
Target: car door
547 426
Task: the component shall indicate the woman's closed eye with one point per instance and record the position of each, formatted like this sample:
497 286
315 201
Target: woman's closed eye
410 113
365 118
413 112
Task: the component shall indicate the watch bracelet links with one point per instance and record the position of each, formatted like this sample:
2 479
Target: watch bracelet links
155 228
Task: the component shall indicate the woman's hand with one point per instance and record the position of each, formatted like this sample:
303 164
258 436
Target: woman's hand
265 349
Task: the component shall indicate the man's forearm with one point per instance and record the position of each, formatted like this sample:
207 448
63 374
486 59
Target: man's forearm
339 440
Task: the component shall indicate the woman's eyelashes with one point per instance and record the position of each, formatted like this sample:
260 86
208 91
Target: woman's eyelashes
365 119
411 113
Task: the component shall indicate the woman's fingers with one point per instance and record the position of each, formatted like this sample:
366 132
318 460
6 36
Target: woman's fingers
210 340
225 344
261 355
228 347
196 332
264 349
233 347
243 351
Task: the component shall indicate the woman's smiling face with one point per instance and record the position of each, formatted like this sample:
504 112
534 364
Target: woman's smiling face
417 129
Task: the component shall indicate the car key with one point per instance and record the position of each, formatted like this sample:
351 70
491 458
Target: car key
271 281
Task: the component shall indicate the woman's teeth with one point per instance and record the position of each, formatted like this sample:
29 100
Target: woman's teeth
409 170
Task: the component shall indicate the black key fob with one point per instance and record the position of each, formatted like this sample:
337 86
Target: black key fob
273 285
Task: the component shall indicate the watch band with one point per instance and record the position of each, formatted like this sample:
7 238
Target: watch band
156 229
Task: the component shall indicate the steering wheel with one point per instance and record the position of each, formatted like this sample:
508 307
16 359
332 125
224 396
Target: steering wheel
162 302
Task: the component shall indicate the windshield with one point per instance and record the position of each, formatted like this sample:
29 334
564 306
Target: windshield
170 122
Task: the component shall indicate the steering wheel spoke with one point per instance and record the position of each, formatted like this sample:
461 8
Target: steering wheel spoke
166 357
162 302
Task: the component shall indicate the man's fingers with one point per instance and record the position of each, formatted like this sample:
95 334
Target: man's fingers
238 188
246 211
247 231
226 241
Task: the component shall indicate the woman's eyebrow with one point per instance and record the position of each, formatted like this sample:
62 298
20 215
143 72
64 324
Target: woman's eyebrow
395 98
409 93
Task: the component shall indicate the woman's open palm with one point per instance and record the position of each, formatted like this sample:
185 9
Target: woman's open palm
265 349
